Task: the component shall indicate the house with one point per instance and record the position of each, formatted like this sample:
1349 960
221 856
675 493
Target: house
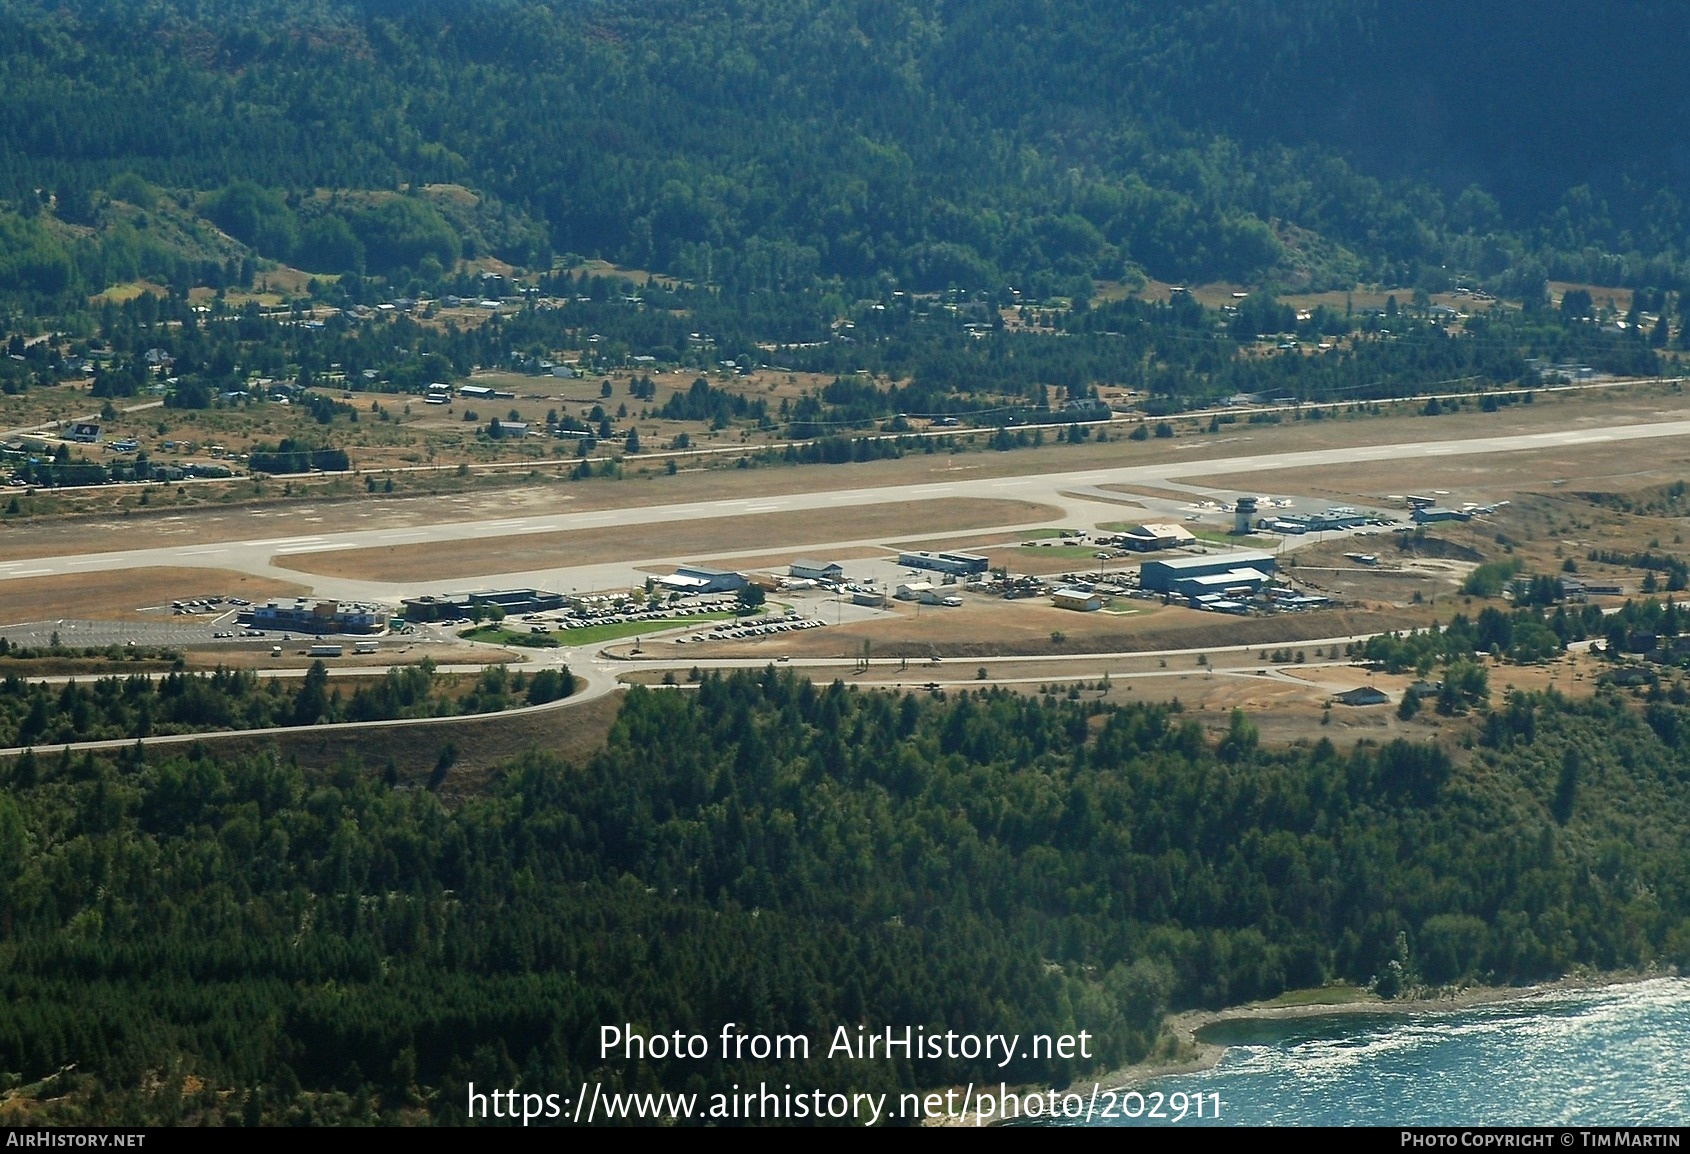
1362 695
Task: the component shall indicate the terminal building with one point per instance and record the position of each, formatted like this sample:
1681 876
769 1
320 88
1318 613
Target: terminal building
301 615
454 605
1327 521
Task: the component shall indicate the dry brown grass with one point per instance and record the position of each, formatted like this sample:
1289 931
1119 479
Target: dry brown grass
572 733
695 481
116 595
779 561
444 560
983 628
1484 478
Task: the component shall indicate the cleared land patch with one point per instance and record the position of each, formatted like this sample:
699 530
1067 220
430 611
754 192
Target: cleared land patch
984 628
454 559
479 746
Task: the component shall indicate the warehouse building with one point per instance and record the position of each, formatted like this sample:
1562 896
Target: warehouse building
807 570
1159 576
1231 581
956 564
699 579
1153 537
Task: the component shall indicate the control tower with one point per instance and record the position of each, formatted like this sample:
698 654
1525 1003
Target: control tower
1242 514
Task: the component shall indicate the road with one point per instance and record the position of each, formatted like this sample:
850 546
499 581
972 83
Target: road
1077 494
596 675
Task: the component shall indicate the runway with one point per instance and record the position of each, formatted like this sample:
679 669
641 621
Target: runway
1076 493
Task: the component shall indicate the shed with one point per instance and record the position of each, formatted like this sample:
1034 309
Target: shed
1081 600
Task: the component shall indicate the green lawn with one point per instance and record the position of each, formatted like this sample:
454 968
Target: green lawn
590 635
499 635
1320 996
593 634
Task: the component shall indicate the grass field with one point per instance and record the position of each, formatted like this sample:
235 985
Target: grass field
115 595
591 634
499 635
1321 996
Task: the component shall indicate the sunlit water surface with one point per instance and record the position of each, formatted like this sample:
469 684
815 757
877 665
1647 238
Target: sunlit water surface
1614 1056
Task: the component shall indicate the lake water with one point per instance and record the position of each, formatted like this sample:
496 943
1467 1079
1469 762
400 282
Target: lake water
1614 1056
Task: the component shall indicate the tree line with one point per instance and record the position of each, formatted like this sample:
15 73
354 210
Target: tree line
336 946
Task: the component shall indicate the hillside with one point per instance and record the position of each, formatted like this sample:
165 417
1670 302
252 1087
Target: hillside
216 938
775 145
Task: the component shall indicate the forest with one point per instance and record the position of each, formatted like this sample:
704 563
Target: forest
38 713
836 187
773 147
195 938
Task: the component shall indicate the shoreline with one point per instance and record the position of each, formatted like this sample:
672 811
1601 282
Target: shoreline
1196 1055
1199 1055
